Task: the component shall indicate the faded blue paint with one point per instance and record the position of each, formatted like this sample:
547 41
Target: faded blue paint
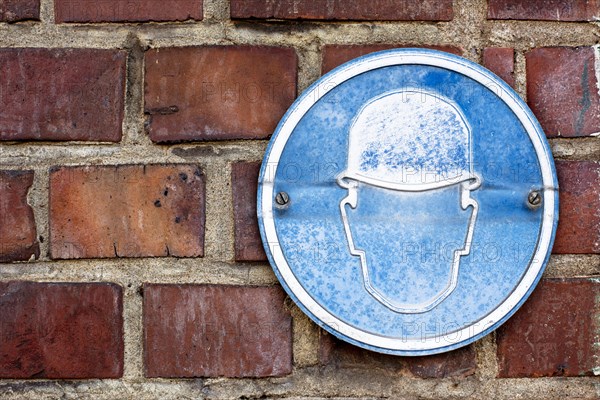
412 229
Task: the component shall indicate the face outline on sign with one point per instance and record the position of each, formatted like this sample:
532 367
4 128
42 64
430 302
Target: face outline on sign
409 154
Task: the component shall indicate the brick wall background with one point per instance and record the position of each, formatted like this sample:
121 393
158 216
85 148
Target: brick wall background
130 136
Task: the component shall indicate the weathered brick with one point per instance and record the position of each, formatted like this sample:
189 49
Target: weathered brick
209 331
62 94
127 10
218 92
244 182
457 363
334 55
554 333
579 222
61 330
501 61
547 10
18 240
19 10
127 211
382 10
337 353
562 90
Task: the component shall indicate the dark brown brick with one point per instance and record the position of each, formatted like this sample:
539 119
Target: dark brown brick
334 55
554 333
127 211
61 330
501 61
218 92
562 90
339 354
360 10
209 331
244 182
336 353
579 216
19 10
62 94
547 10
127 10
457 363
18 241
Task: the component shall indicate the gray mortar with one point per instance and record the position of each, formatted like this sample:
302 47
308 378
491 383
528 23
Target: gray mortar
469 30
133 119
308 383
520 74
570 265
578 149
37 198
47 11
219 212
133 332
306 339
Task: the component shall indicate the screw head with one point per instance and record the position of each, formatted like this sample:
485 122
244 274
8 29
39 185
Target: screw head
282 198
534 198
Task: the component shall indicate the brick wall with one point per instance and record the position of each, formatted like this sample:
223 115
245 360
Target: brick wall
130 138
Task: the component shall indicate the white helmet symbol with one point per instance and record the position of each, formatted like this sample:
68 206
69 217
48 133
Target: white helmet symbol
409 140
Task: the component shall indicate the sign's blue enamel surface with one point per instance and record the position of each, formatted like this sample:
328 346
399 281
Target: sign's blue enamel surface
408 228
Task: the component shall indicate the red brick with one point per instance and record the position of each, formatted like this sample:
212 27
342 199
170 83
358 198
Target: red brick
244 183
127 10
554 333
218 92
337 353
18 240
61 330
579 215
209 331
19 10
500 61
382 10
562 90
127 211
334 55
62 94
547 10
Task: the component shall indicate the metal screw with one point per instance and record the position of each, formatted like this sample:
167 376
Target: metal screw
534 198
282 198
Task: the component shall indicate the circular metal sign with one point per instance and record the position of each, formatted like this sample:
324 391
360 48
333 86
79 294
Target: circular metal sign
408 202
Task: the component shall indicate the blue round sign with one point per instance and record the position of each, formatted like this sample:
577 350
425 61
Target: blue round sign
408 202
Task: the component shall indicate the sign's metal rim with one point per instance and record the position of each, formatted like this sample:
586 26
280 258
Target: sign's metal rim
384 344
